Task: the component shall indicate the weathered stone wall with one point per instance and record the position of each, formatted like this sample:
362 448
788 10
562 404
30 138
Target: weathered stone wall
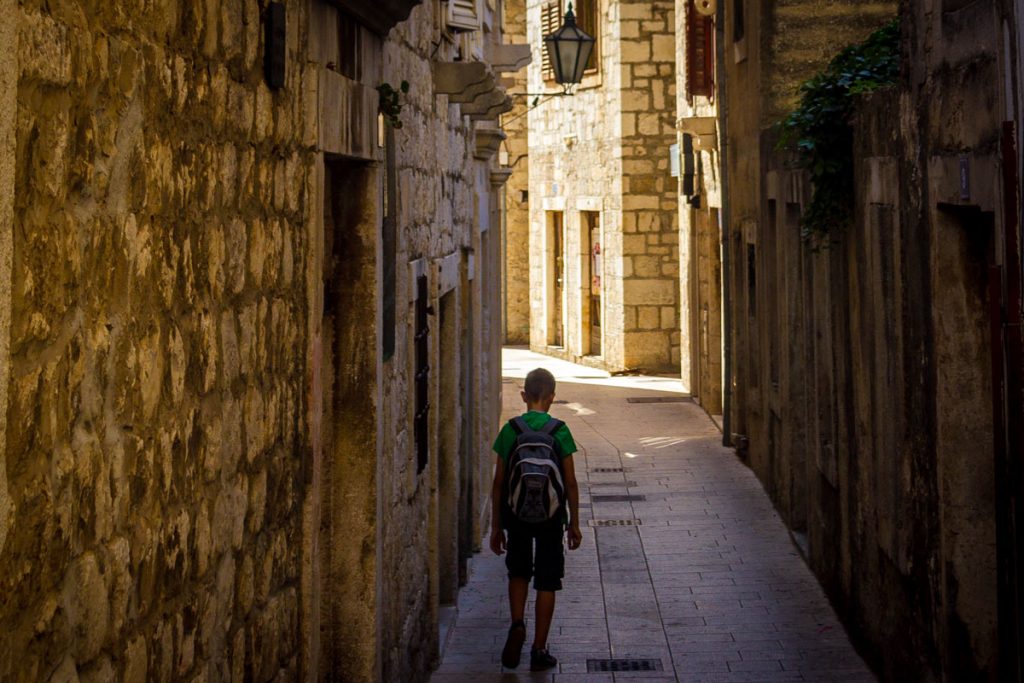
8 121
209 469
517 189
650 241
605 150
436 215
154 444
780 44
865 370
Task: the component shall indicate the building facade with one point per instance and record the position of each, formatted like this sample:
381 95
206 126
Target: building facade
249 359
603 230
698 167
516 243
877 380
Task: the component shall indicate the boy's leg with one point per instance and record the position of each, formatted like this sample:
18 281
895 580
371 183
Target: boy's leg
519 561
545 612
518 588
550 567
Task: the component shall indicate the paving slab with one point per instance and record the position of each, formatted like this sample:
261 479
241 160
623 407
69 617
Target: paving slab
705 580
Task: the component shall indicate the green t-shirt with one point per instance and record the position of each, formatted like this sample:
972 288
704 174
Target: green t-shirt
506 440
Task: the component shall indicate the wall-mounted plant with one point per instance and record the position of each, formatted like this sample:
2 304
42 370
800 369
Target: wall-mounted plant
819 131
390 102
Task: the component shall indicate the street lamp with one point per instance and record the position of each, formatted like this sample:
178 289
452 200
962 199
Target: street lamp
569 49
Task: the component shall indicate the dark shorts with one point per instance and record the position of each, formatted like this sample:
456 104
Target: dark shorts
545 563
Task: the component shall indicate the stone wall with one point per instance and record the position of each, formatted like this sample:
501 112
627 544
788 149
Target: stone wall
209 466
517 194
864 370
650 240
155 442
605 151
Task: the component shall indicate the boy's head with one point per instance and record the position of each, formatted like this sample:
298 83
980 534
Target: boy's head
539 387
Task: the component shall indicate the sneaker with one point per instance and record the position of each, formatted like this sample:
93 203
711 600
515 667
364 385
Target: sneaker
513 645
541 660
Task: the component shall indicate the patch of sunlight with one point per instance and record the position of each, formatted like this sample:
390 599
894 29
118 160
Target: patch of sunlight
631 455
580 410
662 441
517 361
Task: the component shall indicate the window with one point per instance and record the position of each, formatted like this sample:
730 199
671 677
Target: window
737 20
700 54
463 15
421 379
550 20
587 18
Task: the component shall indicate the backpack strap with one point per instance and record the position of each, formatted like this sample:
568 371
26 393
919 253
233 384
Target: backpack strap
553 425
519 425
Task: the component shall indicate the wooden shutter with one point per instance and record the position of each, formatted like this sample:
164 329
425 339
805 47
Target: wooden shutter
550 20
700 54
586 19
464 15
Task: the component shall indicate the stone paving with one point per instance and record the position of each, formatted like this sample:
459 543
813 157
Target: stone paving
707 583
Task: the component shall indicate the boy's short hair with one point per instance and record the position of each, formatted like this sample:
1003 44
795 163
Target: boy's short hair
539 385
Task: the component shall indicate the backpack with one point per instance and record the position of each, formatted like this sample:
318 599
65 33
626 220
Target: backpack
536 491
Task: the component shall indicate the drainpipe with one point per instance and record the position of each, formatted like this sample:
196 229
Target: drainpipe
725 225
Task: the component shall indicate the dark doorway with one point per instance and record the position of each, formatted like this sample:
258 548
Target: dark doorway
556 278
593 271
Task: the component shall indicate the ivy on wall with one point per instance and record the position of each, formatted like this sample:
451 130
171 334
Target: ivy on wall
819 130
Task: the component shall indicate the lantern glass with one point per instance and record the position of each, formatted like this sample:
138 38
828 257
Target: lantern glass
569 50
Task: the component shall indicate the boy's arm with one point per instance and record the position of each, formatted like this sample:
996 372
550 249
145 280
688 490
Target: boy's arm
572 494
497 533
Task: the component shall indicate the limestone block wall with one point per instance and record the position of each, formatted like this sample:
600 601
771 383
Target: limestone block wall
649 203
449 219
154 439
209 469
573 159
516 279
605 151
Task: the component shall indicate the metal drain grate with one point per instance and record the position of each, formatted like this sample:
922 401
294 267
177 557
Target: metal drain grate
606 469
659 399
615 522
596 665
616 498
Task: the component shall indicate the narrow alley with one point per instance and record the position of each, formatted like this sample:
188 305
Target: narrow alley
686 573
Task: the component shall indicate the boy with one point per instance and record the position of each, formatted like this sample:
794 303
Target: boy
547 564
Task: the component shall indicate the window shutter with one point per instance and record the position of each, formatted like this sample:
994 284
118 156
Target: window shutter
549 22
464 15
587 20
700 54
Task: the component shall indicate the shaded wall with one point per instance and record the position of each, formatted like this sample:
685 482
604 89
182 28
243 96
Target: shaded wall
864 372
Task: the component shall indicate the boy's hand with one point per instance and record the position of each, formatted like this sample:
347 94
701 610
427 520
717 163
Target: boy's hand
575 536
498 541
